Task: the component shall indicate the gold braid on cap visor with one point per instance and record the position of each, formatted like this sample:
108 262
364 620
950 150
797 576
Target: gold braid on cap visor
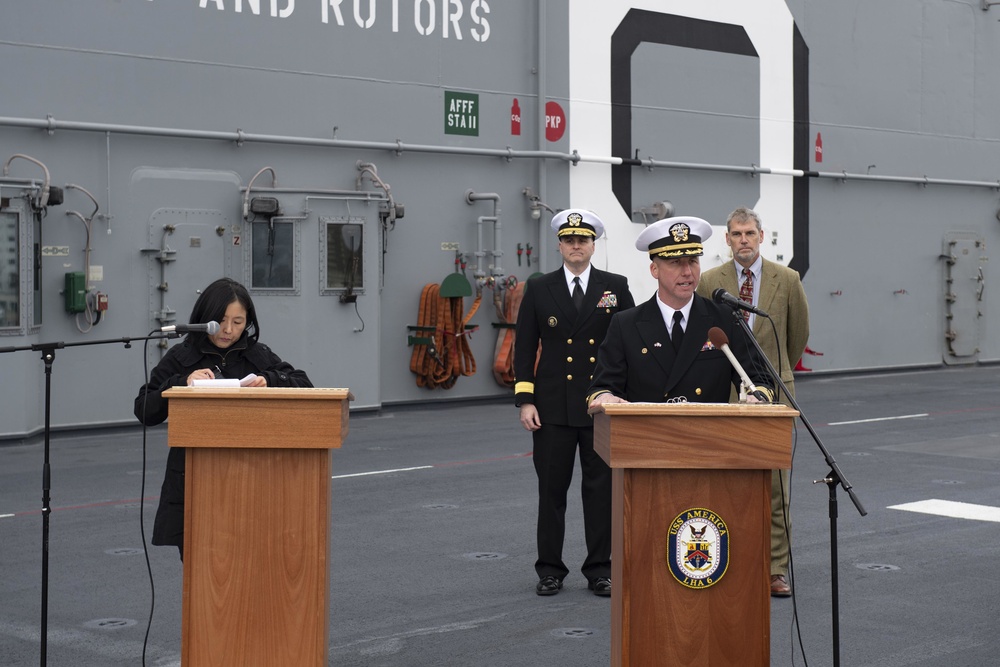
680 250
576 231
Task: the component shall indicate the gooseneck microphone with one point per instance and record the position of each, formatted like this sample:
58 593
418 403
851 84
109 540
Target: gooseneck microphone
721 340
211 328
722 296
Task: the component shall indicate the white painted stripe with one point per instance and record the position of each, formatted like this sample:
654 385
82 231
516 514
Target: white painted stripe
600 159
380 472
786 172
952 509
6 516
878 419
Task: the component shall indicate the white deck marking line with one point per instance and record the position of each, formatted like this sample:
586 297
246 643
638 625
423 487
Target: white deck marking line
6 516
380 472
952 509
878 419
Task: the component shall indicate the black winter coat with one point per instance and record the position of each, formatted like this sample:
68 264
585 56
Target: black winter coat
240 359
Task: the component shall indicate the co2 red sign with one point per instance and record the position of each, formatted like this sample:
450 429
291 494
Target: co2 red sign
555 121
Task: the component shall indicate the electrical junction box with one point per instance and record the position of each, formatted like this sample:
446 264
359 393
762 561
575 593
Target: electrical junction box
75 292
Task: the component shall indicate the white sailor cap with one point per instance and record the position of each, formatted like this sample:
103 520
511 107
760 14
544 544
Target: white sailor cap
577 222
675 237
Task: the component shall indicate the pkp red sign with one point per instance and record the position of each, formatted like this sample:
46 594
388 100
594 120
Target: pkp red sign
555 121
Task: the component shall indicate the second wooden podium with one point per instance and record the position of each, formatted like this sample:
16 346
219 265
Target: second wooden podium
256 521
691 507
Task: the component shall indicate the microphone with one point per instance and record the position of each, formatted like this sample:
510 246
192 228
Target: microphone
722 296
721 340
211 328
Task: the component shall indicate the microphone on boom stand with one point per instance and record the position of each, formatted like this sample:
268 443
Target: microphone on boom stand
834 478
48 351
722 296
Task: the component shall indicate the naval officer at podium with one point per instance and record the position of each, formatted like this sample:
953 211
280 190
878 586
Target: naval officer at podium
660 351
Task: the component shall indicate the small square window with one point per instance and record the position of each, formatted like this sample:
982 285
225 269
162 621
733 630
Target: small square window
343 243
273 255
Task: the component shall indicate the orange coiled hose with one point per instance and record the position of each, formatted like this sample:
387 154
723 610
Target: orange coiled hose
448 356
503 359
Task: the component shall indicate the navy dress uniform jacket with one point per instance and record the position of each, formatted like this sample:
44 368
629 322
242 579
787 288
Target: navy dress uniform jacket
637 360
569 342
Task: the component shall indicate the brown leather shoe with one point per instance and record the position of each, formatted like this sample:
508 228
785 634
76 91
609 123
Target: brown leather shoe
779 586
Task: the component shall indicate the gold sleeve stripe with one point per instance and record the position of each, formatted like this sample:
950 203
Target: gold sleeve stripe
524 388
595 395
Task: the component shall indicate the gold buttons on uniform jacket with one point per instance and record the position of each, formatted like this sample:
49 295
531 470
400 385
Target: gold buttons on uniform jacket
593 360
569 341
697 392
569 360
644 350
591 341
569 377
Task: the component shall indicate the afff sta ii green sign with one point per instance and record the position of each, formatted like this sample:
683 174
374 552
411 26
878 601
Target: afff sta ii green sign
461 113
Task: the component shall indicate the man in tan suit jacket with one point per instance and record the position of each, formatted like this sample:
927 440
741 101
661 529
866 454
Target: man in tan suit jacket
777 290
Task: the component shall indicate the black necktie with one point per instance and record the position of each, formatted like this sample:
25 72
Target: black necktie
577 294
677 333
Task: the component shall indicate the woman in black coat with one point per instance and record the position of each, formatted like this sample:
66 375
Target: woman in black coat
232 352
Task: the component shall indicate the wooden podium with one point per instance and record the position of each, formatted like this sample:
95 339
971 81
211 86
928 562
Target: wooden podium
707 464
256 521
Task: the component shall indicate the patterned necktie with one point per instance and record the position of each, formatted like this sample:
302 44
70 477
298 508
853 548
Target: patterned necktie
746 292
677 333
577 294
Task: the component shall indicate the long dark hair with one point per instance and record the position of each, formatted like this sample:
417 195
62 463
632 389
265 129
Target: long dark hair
212 303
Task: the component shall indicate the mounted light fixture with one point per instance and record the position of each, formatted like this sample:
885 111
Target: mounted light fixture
659 210
49 195
535 204
246 195
266 207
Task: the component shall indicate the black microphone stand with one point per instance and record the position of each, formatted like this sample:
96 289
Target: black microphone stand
833 479
48 351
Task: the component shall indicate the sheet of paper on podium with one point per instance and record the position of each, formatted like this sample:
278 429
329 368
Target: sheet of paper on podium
226 382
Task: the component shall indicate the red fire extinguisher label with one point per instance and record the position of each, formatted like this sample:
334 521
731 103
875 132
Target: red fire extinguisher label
515 118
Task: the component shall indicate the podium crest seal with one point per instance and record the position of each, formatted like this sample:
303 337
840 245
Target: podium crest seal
698 548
